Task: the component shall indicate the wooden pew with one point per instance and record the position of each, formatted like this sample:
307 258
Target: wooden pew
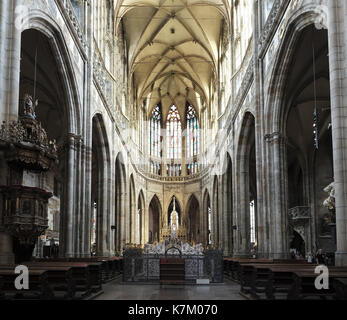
95 270
80 274
304 284
60 280
116 266
109 267
340 286
280 278
242 274
112 268
261 278
106 272
38 285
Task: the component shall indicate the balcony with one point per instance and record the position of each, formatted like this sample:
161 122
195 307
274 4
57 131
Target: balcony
299 215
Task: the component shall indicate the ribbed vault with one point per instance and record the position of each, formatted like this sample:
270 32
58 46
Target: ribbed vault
173 49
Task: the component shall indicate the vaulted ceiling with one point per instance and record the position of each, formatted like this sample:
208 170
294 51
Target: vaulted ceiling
173 48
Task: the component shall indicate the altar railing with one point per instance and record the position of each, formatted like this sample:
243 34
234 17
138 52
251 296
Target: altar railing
140 267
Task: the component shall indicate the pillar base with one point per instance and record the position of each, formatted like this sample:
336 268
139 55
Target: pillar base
341 259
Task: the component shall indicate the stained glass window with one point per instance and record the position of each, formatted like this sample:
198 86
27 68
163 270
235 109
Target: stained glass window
252 220
155 142
209 216
155 134
174 134
192 140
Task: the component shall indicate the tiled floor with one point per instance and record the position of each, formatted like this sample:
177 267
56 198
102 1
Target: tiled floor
116 290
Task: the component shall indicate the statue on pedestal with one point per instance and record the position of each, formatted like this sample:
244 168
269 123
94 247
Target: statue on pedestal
29 106
174 223
329 203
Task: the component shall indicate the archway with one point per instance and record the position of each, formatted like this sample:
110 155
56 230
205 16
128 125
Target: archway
132 211
42 77
193 214
100 218
154 224
228 232
216 232
298 244
207 220
246 240
140 219
120 204
308 121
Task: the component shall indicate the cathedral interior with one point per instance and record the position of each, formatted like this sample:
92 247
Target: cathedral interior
215 126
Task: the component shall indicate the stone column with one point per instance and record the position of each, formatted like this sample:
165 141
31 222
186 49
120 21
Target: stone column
226 226
184 161
4 26
261 226
215 216
337 11
104 207
145 223
242 213
124 207
10 48
86 148
221 216
86 206
164 151
202 225
277 188
67 233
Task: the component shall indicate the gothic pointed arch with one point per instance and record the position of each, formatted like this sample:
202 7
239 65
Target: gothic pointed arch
155 223
101 169
120 203
193 217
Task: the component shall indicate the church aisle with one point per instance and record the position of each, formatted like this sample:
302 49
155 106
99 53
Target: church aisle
117 291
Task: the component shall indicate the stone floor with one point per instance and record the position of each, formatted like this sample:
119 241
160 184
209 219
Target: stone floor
116 290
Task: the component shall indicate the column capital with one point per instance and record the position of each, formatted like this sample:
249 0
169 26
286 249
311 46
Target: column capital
72 141
276 138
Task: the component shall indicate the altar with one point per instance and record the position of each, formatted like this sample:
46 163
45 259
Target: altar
144 265
189 262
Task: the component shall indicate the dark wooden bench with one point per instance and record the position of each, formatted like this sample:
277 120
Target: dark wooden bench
340 286
80 274
60 280
304 284
280 278
88 273
232 265
112 267
267 278
94 266
237 267
108 269
38 285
